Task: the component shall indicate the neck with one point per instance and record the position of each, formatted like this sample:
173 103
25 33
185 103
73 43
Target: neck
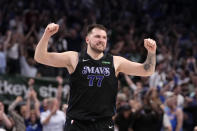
94 55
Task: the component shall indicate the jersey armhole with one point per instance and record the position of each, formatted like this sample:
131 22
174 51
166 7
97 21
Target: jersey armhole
78 60
114 67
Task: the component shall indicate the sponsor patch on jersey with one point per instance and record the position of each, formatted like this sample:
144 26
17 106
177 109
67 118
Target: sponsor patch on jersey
106 62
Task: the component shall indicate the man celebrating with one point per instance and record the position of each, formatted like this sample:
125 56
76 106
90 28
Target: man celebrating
93 78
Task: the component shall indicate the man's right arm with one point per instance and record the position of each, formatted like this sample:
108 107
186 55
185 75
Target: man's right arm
65 59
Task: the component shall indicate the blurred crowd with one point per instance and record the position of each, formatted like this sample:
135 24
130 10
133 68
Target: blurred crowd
32 115
167 100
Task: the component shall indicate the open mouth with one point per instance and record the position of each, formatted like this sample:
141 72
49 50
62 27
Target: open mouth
100 44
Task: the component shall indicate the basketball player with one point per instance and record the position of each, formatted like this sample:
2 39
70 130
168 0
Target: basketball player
93 80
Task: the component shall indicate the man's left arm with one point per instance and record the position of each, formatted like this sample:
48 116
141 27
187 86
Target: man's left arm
138 69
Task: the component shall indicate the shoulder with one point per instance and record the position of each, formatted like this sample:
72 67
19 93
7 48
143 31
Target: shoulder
116 57
118 60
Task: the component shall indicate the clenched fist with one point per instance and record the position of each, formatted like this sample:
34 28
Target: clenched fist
51 29
150 45
19 99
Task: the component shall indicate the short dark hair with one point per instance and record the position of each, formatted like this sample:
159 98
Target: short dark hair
92 26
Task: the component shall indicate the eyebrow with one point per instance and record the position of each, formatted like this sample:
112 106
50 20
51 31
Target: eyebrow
100 35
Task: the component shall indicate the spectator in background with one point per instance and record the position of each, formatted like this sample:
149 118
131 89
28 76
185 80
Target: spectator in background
130 83
177 90
32 116
2 59
192 110
123 119
159 77
74 40
149 117
193 97
153 97
135 101
53 119
5 123
27 64
117 48
166 123
59 79
191 64
18 116
13 53
44 106
174 113
3 50
121 100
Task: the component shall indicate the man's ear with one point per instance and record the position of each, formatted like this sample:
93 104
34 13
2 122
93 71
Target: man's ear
87 39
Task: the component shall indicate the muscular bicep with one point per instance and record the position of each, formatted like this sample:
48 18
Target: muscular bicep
65 59
128 67
57 59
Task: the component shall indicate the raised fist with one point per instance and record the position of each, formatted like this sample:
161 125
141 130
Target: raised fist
51 29
150 45
19 99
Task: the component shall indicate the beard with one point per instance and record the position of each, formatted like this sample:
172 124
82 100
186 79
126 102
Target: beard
98 47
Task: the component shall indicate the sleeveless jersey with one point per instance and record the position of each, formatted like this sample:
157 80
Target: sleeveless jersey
93 89
172 117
